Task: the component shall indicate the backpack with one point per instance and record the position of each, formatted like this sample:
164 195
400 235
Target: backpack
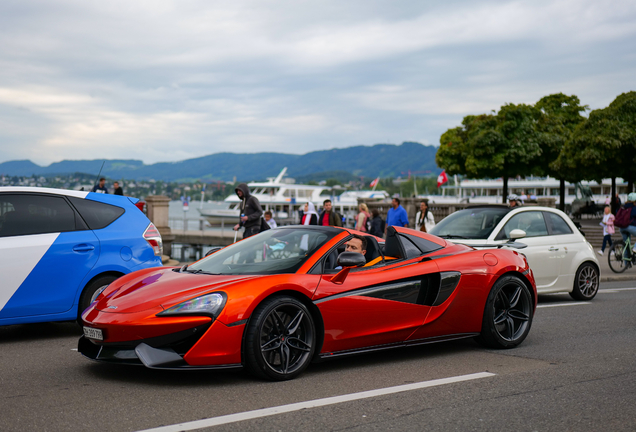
368 223
623 216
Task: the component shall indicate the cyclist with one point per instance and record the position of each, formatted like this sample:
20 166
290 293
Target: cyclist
630 230
514 200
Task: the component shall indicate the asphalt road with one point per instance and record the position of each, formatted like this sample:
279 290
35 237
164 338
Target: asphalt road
575 371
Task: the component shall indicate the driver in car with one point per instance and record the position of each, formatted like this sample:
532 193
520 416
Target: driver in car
358 244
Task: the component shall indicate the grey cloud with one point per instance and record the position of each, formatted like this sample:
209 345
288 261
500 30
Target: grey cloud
161 81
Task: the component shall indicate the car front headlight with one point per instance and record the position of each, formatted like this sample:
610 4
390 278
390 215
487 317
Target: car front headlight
208 305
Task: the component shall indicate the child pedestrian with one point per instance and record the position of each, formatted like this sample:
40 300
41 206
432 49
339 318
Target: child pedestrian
269 219
608 228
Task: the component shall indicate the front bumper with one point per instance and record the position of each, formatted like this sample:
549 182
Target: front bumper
163 352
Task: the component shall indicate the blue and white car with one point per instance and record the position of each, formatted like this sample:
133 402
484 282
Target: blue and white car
60 248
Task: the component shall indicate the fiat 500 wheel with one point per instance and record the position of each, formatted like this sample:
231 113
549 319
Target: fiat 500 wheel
586 282
280 339
508 314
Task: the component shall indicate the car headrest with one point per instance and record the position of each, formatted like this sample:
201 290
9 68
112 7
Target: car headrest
373 249
392 246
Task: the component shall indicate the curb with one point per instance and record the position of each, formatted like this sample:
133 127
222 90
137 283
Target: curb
618 278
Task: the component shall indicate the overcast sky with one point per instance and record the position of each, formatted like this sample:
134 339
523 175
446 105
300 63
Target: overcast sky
171 80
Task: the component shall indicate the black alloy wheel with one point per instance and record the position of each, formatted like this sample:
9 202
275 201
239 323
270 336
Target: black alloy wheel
508 314
615 257
280 339
586 282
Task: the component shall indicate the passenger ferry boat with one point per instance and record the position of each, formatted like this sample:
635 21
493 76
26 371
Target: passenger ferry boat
490 191
284 200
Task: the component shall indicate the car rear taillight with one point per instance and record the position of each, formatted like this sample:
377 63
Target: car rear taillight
152 236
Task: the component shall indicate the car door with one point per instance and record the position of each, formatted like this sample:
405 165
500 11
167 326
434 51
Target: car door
45 252
379 305
543 251
571 243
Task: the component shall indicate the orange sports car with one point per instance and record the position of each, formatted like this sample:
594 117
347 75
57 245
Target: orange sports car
276 301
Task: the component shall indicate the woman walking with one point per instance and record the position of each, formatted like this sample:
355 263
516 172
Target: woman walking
424 219
362 218
608 228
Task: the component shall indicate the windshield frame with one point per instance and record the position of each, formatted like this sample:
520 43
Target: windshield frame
215 263
496 212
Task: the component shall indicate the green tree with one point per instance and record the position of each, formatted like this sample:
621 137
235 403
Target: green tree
604 145
506 144
561 115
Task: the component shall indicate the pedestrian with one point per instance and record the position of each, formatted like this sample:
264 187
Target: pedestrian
362 218
608 228
251 211
101 186
616 204
397 215
117 189
329 217
377 224
424 219
310 217
269 219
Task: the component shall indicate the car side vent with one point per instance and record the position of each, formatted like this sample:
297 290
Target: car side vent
439 287
431 283
448 283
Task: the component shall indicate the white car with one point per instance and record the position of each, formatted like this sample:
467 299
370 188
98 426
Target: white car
559 256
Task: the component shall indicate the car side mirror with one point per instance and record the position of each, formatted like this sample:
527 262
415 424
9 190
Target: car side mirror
517 234
351 259
347 260
214 249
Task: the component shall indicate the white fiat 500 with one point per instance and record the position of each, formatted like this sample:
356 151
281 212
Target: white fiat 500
559 256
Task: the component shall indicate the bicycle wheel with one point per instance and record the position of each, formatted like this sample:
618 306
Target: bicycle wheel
615 257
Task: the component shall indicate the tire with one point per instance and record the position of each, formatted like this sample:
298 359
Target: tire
507 315
615 257
280 339
586 282
91 291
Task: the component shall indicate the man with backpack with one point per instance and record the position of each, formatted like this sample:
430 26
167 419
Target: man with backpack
626 219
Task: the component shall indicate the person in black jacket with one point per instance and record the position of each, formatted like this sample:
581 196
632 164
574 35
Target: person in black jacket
251 211
377 224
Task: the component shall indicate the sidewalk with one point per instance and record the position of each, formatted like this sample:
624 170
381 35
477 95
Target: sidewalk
607 275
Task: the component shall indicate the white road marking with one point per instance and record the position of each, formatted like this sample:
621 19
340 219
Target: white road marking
73 349
615 290
265 412
563 304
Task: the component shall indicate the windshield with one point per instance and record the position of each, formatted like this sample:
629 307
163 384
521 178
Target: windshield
274 251
471 223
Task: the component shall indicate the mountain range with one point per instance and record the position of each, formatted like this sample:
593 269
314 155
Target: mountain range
383 160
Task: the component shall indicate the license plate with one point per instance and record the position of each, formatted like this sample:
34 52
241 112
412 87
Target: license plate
93 333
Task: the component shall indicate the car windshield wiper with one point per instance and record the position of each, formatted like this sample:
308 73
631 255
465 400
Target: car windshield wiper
451 236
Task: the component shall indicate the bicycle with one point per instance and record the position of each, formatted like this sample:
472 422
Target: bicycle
616 259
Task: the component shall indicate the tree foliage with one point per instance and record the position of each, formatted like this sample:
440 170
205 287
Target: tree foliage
561 116
505 144
604 145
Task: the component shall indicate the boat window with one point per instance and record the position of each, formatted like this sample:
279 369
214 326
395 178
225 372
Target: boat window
275 251
471 223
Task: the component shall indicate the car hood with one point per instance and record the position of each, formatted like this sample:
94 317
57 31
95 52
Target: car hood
162 288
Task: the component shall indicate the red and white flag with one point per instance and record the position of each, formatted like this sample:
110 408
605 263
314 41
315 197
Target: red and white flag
374 183
442 178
